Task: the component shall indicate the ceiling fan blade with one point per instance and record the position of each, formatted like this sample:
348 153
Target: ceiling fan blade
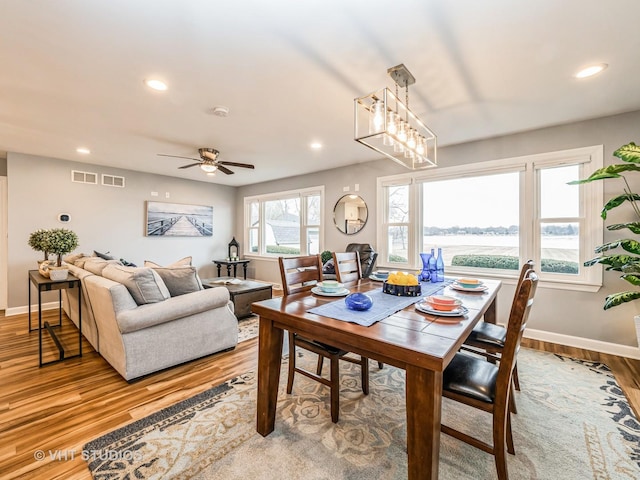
175 156
234 164
225 170
190 165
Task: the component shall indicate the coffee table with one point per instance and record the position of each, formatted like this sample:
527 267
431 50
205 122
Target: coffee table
243 292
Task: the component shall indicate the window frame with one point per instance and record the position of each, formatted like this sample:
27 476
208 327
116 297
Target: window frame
302 194
590 224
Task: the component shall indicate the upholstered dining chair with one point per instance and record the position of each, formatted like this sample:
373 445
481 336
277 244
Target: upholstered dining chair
490 338
487 386
301 274
368 257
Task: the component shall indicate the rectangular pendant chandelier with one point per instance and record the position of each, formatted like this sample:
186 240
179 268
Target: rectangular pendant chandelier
385 124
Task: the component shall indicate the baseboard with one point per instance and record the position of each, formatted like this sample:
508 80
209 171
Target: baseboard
9 312
586 343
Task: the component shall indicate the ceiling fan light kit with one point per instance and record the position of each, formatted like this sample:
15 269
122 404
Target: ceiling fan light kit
385 124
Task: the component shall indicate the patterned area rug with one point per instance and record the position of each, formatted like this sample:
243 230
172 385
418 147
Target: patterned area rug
573 423
248 328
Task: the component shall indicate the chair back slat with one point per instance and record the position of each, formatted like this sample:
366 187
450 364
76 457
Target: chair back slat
347 265
300 274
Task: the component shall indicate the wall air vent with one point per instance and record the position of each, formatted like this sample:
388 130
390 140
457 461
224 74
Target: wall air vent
112 181
84 177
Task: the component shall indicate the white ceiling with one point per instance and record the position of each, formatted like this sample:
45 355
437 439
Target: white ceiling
72 71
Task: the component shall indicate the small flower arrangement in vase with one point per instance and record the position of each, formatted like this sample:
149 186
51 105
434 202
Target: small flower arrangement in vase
60 241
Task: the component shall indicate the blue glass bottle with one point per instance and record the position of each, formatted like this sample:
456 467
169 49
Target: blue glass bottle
425 275
439 267
432 266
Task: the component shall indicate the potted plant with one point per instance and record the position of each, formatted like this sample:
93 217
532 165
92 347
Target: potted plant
60 241
37 241
620 255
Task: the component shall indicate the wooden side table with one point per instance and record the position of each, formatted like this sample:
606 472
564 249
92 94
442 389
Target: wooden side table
234 264
44 284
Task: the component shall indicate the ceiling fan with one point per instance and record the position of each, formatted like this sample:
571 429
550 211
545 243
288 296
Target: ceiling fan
209 162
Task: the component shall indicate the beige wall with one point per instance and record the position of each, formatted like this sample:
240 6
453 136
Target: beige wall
562 312
106 218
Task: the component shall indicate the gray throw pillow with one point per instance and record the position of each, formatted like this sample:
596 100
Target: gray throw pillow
144 285
179 280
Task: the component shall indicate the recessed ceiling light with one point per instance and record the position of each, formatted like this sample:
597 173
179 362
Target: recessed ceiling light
156 84
591 70
83 150
316 145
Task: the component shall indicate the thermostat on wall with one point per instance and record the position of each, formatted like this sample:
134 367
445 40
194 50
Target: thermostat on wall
64 217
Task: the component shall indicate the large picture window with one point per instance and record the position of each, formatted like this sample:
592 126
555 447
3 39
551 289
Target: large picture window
284 223
489 218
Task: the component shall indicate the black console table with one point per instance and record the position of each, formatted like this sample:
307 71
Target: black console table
44 284
234 264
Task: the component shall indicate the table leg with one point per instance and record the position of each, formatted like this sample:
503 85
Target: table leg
424 410
490 315
228 270
29 304
244 266
39 326
235 270
269 361
218 265
79 319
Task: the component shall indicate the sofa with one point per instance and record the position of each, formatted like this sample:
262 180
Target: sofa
146 319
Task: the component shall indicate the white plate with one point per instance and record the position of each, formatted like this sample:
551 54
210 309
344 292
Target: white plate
457 286
425 308
339 293
376 279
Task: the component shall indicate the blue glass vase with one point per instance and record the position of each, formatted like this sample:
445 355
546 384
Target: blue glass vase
439 268
358 301
425 274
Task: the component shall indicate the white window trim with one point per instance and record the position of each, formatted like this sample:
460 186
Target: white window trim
261 199
591 158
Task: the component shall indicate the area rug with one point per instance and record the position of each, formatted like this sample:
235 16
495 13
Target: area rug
573 422
248 328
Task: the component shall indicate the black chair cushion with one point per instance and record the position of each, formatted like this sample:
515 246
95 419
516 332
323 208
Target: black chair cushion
472 377
487 334
368 256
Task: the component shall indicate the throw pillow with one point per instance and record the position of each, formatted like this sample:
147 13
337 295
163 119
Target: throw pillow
144 285
96 265
183 262
104 256
71 259
127 264
179 280
82 260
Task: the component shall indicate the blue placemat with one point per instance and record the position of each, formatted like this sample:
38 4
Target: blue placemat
384 305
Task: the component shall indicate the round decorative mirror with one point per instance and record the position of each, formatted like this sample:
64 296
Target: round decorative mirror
350 214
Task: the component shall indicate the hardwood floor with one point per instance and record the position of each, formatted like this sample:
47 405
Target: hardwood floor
56 409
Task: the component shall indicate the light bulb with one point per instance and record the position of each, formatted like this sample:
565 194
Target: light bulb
402 131
377 117
420 145
411 138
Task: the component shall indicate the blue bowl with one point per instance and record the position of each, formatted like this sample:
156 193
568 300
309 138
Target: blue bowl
358 301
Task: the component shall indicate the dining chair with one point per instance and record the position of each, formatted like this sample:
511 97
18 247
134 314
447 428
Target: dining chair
300 274
368 256
475 382
348 269
489 338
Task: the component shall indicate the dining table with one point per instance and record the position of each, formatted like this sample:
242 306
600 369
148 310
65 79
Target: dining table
422 344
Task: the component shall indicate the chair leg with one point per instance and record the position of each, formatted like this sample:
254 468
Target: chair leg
499 443
516 380
510 447
364 374
320 363
335 389
292 361
512 400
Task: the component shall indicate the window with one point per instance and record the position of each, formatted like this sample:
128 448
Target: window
284 223
490 217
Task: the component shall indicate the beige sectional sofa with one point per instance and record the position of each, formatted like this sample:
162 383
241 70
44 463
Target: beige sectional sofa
139 325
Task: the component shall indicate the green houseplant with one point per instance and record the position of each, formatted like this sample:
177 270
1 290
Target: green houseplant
620 255
61 241
37 241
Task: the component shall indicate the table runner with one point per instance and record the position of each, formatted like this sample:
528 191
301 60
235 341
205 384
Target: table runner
384 305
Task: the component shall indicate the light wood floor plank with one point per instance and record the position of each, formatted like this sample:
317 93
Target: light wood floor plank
60 407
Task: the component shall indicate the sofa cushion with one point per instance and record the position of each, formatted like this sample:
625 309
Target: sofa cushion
183 262
144 285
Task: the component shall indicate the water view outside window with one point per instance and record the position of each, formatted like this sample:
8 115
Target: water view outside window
559 220
474 219
397 223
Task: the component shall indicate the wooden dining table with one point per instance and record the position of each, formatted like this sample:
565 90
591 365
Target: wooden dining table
421 344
